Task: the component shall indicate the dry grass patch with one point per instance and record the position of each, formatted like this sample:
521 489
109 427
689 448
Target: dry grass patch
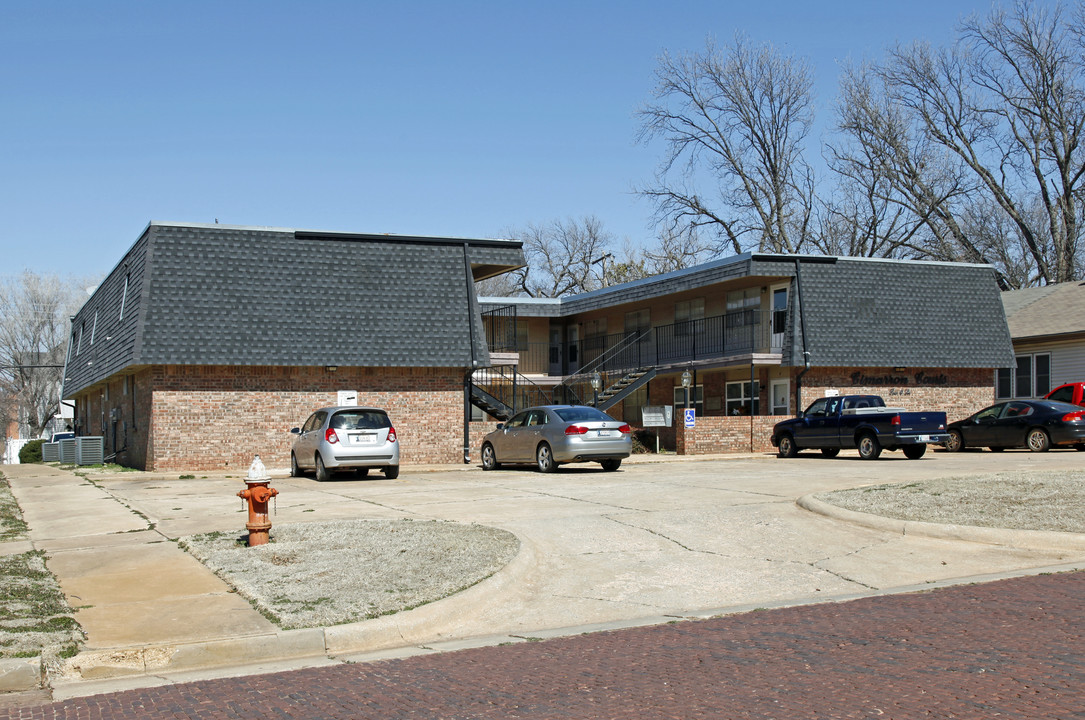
1012 500
321 574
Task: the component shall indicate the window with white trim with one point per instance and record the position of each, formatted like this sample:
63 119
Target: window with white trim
1030 379
740 400
696 400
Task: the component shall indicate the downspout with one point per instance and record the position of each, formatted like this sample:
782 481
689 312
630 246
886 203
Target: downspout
802 334
472 307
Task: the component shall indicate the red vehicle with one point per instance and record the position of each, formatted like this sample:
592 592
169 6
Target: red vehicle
1073 393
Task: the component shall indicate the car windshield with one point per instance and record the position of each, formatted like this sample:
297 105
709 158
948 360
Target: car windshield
360 420
582 414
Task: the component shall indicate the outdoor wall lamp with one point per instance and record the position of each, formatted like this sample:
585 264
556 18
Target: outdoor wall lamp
331 368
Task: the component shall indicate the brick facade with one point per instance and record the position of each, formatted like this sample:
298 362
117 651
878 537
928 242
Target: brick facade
216 418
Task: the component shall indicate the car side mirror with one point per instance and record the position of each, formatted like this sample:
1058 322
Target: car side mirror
501 426
295 431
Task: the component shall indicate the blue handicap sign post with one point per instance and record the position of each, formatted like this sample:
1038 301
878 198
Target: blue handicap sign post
690 416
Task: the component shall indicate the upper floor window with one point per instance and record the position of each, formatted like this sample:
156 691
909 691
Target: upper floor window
686 313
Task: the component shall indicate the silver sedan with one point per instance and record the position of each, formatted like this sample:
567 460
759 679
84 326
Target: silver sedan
549 435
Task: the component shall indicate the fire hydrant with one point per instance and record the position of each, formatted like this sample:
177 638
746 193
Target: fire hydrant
258 493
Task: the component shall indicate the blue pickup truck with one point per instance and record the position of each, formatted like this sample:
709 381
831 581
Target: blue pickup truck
859 421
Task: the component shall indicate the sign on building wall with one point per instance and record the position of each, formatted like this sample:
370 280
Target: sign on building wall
348 397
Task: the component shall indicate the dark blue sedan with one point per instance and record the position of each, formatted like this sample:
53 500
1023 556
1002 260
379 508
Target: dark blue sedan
1036 424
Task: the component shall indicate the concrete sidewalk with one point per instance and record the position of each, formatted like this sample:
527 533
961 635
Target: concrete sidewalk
666 538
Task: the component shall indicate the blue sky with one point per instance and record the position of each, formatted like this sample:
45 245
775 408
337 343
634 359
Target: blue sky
437 118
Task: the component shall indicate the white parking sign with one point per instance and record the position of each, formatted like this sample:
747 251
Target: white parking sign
690 415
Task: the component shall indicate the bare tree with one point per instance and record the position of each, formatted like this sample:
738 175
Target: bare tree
35 312
897 191
563 257
737 118
1009 103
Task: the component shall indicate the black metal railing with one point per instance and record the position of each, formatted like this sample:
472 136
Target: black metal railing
733 333
509 388
500 326
720 336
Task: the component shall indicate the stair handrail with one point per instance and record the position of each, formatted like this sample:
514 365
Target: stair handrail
590 369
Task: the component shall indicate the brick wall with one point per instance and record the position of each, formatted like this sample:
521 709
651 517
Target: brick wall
957 392
723 434
216 418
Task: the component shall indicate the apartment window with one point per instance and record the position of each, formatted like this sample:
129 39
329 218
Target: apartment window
747 299
79 342
1030 379
696 400
686 313
740 400
94 327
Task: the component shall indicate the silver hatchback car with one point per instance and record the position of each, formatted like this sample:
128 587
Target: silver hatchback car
355 438
549 435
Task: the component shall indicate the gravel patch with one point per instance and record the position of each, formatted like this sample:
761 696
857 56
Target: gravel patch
321 574
1012 500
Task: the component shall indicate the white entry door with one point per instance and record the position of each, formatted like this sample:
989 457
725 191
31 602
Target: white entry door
781 397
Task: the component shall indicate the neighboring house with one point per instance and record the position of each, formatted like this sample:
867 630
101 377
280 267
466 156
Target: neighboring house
206 344
760 336
1047 325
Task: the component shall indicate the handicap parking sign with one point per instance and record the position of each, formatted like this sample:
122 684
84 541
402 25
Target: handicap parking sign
690 415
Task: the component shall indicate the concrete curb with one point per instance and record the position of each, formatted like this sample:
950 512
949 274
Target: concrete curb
20 674
421 624
1021 539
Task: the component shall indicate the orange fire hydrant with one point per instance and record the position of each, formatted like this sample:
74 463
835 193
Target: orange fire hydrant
258 493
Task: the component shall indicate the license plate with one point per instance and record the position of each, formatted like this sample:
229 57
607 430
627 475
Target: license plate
359 439
924 438
607 433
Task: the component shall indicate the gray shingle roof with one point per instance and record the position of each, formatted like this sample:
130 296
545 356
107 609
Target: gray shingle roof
225 295
1050 310
860 312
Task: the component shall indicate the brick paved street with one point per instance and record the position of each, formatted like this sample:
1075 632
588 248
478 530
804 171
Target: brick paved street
1006 649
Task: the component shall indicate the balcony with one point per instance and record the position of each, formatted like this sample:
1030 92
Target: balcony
721 338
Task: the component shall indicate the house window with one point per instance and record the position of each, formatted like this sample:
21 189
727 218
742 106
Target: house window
686 313
748 299
94 327
740 401
79 342
1030 379
696 400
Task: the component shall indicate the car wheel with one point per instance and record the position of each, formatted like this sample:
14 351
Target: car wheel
869 447
295 471
787 447
955 443
321 471
391 472
830 452
914 452
544 459
1037 440
611 465
489 458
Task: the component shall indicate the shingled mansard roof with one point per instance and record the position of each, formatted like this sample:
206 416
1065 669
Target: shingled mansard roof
1048 311
859 312
195 294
